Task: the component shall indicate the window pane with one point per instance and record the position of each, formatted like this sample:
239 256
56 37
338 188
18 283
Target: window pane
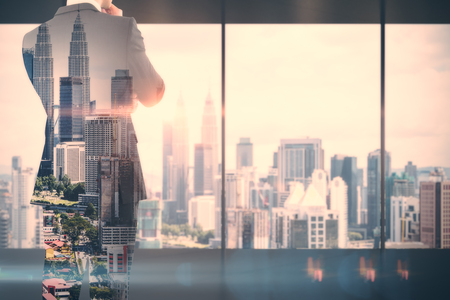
417 76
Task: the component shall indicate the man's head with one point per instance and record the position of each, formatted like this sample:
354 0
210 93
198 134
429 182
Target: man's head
106 4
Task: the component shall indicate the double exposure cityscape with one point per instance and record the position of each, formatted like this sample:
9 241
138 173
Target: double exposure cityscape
91 207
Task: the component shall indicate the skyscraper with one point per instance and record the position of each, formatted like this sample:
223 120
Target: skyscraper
374 178
167 151
28 55
434 213
149 225
297 159
121 89
71 109
209 133
346 168
79 62
411 170
203 178
23 219
100 140
180 153
70 160
244 153
4 229
43 83
339 203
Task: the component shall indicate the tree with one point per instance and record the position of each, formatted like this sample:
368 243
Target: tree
74 292
99 270
354 236
70 211
92 234
65 181
56 228
204 237
59 189
74 227
90 212
56 211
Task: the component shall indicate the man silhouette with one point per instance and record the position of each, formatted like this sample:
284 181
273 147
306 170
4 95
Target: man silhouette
93 60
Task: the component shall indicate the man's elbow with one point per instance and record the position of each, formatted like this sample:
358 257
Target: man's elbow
154 97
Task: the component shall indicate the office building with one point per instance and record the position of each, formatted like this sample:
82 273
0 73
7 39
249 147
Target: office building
121 188
100 140
43 83
374 178
23 219
201 212
149 225
70 160
411 171
244 153
203 170
397 186
297 159
4 229
404 219
247 229
435 212
121 90
167 152
339 204
71 109
209 134
180 154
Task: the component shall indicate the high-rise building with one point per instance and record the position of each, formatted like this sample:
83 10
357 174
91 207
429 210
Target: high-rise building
435 210
28 55
70 160
374 178
247 229
149 225
79 63
100 140
201 212
4 229
167 151
297 159
411 171
397 186
346 168
339 203
180 153
209 134
121 90
121 188
244 153
71 109
404 219
43 83
203 169
23 220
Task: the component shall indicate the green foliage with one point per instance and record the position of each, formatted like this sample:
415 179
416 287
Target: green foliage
99 270
75 227
185 229
70 211
72 191
92 234
60 188
91 212
354 236
74 292
56 211
65 181
100 293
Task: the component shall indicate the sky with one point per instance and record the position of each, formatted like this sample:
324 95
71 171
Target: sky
282 81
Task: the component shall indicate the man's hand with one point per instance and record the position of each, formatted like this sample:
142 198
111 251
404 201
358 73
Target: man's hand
113 10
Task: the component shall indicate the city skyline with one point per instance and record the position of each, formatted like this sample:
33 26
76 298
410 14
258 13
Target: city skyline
202 50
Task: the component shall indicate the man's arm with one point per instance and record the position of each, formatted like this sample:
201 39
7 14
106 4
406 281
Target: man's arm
147 83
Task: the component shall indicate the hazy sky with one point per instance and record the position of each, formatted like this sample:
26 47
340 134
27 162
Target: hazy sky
283 81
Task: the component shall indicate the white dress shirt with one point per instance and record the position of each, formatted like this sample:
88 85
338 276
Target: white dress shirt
93 2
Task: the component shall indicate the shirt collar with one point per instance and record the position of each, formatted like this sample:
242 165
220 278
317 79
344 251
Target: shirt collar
93 2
